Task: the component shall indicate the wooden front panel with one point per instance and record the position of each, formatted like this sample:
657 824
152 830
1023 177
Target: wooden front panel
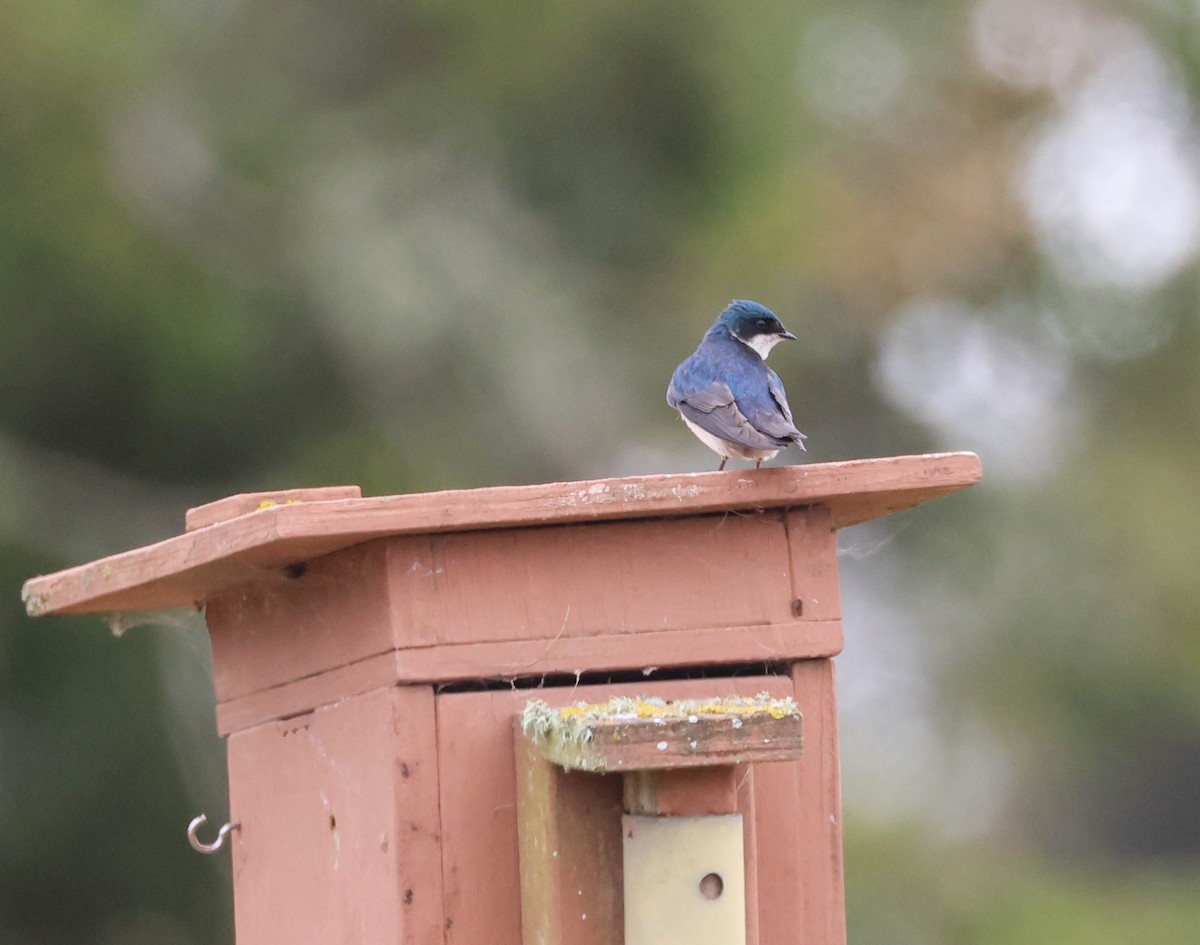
339 837
525 602
480 860
612 578
777 643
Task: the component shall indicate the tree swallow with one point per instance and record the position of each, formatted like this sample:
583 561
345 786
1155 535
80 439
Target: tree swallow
728 396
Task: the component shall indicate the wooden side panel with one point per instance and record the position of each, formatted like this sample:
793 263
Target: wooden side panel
283 628
339 837
817 859
794 853
477 772
601 578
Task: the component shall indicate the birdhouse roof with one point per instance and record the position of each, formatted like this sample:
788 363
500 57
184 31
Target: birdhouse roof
237 539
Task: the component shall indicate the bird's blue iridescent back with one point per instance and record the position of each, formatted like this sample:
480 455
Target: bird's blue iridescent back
754 392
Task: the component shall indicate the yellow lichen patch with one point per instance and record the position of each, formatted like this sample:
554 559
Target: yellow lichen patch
624 708
271 503
605 735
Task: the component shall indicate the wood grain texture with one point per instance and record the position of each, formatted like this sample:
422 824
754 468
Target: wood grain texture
525 659
812 544
815 862
530 601
798 844
192 566
281 628
745 805
619 745
479 819
339 837
569 853
602 578
683 792
244 503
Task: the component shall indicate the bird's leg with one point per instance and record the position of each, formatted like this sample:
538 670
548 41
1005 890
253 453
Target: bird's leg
724 460
758 464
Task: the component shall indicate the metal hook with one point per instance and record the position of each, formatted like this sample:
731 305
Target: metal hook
198 845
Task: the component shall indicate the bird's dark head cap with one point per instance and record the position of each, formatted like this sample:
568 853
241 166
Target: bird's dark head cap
745 320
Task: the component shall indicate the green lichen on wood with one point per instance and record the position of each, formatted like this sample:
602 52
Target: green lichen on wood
566 734
563 735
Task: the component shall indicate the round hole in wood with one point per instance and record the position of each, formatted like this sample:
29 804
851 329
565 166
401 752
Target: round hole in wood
711 886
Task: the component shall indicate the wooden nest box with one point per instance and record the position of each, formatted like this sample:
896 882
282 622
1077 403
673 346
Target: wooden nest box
589 712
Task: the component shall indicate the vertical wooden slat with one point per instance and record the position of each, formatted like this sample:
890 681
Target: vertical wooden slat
569 827
340 829
778 882
745 787
480 869
812 542
819 802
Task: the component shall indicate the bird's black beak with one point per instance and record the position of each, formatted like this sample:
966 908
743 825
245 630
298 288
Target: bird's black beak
787 335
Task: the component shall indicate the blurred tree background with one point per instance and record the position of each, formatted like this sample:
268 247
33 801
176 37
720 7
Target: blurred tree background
249 245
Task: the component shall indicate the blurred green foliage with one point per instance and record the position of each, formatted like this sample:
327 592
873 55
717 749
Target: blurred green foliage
250 245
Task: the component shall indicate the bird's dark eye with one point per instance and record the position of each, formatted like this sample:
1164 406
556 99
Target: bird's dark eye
760 323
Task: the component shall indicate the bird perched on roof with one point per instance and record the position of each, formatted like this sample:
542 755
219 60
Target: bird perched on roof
728 396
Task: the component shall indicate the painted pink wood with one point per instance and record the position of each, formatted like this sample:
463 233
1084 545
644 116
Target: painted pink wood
529 658
193 566
798 843
812 544
282 628
684 792
231 507
600 578
808 873
476 758
705 741
527 601
339 836
373 811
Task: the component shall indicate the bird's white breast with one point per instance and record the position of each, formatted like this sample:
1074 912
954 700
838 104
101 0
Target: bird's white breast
762 344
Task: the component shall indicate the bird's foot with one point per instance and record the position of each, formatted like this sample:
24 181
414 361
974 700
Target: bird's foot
724 460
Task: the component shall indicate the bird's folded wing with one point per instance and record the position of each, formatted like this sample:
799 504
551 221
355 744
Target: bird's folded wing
775 385
715 410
